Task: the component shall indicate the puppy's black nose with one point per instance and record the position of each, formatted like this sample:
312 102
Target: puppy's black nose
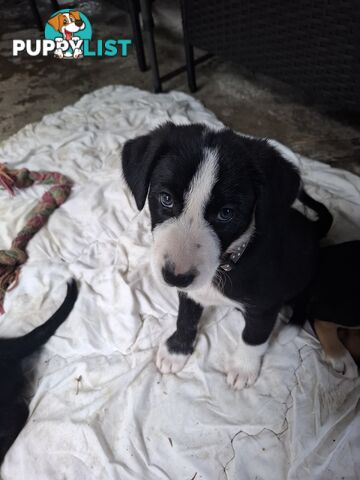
79 23
181 281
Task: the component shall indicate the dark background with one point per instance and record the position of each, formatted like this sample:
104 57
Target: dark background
32 87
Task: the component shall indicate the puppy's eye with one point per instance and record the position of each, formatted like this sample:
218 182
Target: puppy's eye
166 200
66 21
225 214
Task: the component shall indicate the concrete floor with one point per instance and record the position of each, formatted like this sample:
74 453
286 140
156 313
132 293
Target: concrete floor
32 87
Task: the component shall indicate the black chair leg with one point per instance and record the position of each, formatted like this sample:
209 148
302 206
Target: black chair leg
138 41
55 6
36 14
189 56
190 67
150 41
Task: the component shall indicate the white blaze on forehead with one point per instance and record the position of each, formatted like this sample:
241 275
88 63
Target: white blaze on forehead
202 185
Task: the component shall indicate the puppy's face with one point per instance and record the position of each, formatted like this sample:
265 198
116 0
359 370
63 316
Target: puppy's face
202 190
201 199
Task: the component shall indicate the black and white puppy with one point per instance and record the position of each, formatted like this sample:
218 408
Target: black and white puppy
224 233
13 406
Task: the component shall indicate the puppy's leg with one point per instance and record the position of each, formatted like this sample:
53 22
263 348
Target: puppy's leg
244 365
334 351
299 314
173 354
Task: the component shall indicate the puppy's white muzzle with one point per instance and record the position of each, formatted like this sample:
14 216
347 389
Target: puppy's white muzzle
185 253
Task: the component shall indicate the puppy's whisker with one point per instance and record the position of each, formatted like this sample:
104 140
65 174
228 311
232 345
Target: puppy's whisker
222 277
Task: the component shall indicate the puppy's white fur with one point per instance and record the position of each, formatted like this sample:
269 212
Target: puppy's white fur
209 296
243 367
188 241
167 362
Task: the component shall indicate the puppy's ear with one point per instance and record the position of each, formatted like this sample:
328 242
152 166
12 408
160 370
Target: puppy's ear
55 22
277 182
139 157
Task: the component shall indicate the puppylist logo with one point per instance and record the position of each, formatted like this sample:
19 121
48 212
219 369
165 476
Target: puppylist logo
68 35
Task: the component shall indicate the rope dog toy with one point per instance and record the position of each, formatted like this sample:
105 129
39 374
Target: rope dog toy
12 259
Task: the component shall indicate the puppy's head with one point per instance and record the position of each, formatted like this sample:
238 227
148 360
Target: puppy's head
67 23
204 189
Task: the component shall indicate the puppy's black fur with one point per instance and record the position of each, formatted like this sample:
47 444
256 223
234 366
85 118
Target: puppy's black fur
256 181
13 406
331 304
334 293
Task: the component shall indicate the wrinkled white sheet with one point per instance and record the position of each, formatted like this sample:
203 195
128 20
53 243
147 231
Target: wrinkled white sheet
100 408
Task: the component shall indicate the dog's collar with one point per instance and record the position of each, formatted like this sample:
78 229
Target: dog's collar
231 259
237 249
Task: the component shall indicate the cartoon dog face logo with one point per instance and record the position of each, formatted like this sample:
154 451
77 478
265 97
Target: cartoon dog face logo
68 24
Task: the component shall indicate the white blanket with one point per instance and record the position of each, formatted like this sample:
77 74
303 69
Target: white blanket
100 408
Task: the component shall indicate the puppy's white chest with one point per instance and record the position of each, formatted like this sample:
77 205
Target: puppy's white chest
210 296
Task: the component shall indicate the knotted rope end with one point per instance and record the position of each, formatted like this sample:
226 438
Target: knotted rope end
6 180
10 262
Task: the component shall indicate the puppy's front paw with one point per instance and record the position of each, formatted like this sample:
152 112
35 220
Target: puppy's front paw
168 362
242 374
